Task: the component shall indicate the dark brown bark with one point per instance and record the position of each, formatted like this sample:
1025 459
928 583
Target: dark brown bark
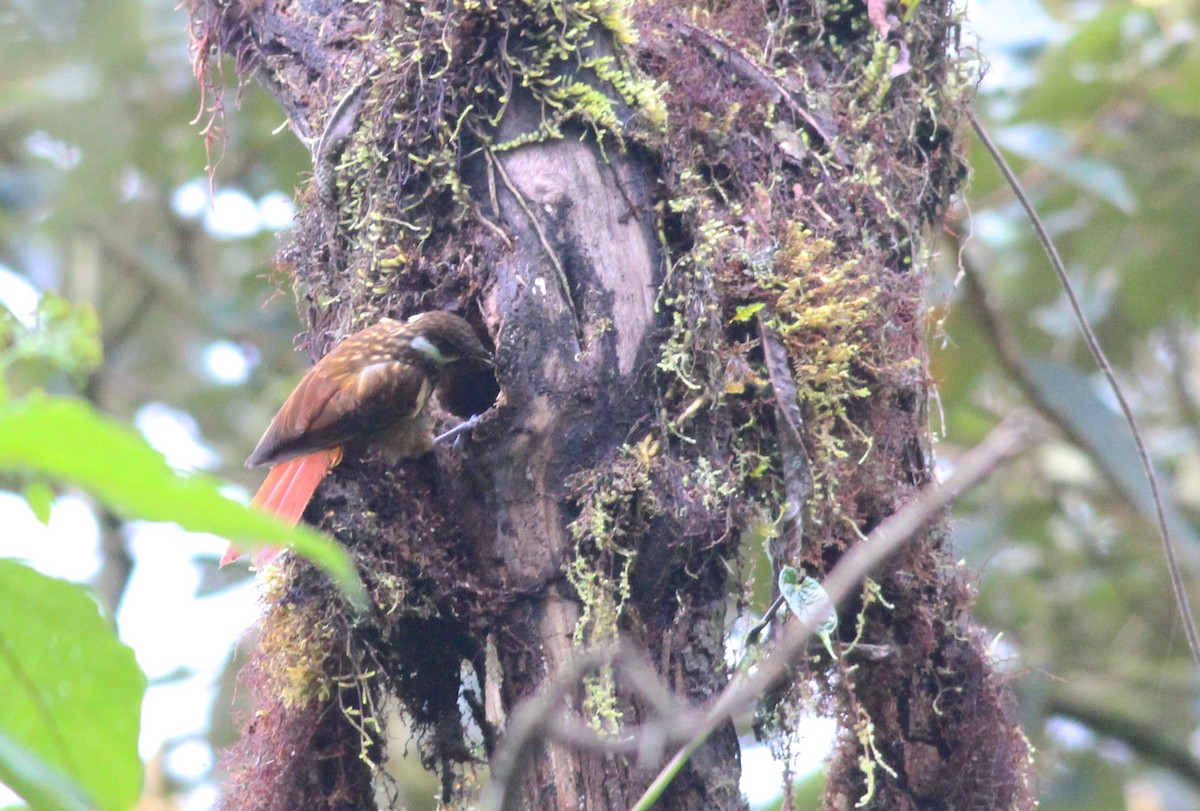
612 243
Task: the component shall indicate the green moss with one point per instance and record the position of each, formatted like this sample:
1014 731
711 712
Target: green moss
615 508
825 311
713 485
876 78
296 647
451 74
870 760
676 357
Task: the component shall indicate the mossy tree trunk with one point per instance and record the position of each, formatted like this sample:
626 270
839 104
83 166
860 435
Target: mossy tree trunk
627 199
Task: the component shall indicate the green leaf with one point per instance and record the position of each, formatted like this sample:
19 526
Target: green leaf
67 441
808 600
46 788
72 696
1098 177
65 339
40 499
70 333
1069 395
1178 90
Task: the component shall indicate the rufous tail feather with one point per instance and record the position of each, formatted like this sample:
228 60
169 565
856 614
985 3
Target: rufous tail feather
285 493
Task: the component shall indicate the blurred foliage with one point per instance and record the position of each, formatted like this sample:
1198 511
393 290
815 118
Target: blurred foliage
63 341
69 722
104 212
40 435
1098 109
1098 106
73 694
96 142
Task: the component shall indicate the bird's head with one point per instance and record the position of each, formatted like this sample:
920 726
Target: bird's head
443 338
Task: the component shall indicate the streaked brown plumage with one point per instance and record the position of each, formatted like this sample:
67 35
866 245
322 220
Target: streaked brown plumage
372 389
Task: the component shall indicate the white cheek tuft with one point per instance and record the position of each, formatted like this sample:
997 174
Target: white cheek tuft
427 348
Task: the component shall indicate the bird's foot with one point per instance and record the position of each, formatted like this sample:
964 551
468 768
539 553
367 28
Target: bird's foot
461 428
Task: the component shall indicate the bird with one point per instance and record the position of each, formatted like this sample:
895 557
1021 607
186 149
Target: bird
371 389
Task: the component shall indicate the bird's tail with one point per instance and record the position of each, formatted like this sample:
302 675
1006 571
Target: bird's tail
285 493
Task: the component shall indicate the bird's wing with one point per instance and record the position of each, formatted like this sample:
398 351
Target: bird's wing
338 401
310 411
391 390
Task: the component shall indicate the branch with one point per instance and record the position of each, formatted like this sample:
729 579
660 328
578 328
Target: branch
538 718
1093 345
1143 738
793 457
1005 441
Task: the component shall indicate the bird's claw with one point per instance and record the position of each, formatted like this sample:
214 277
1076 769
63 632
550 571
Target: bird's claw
461 428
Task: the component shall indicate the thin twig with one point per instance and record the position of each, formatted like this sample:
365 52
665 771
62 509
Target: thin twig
533 220
750 70
1107 452
1003 442
1093 345
496 230
752 634
541 718
527 729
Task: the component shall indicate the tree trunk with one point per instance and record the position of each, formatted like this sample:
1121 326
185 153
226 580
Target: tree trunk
628 201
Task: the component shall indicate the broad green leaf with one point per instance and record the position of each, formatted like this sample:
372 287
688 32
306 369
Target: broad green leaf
1101 178
40 499
67 441
808 600
45 787
72 696
1049 147
1031 139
